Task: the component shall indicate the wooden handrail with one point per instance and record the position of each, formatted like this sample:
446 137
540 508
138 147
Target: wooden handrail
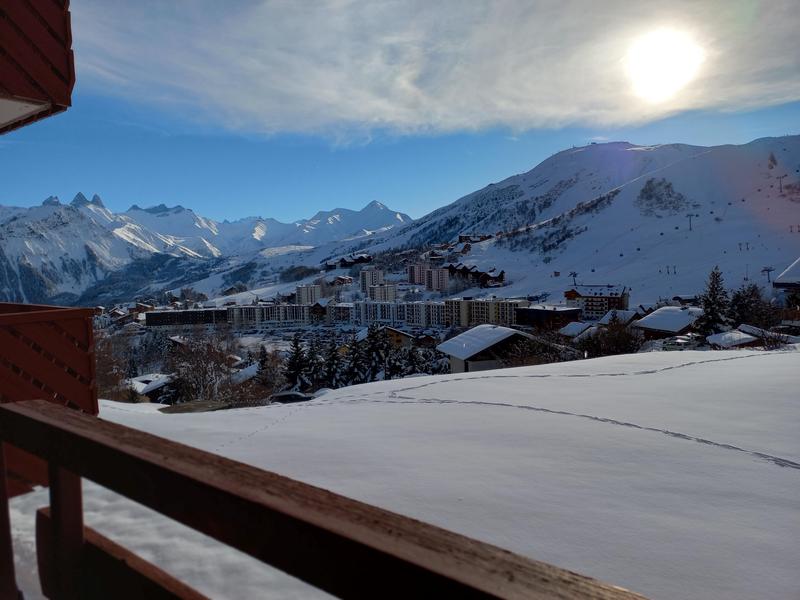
345 547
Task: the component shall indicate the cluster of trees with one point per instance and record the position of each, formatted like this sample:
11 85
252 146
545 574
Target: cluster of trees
200 367
319 365
546 347
723 309
614 338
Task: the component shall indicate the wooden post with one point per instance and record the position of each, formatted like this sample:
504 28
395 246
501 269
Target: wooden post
8 584
66 505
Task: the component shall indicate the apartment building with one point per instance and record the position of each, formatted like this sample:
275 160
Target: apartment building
416 274
382 292
369 277
308 294
437 280
596 300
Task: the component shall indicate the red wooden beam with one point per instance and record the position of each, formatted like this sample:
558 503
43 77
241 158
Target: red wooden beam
108 570
37 71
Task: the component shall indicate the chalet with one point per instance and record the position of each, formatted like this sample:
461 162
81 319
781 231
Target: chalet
473 274
668 321
596 300
481 348
354 259
399 338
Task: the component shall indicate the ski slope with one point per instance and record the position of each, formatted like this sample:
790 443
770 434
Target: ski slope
676 475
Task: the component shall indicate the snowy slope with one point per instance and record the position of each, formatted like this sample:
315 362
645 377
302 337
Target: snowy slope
617 213
672 474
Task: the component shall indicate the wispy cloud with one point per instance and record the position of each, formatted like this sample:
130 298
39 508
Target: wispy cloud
348 68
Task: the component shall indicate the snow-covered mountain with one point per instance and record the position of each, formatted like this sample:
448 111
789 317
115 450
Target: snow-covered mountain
56 251
612 213
619 213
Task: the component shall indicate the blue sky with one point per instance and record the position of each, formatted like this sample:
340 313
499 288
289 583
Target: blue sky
221 136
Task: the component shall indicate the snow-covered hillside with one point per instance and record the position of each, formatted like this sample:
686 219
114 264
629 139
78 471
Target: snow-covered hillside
618 213
613 213
672 474
55 251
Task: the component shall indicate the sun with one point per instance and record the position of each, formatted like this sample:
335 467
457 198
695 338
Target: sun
661 63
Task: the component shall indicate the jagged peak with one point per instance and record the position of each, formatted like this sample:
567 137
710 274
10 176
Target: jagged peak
79 200
51 201
97 201
375 204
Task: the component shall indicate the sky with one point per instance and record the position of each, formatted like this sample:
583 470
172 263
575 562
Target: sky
281 109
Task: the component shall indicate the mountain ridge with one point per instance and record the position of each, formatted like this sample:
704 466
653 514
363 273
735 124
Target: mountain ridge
615 212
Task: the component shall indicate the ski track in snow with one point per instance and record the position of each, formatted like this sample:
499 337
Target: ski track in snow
397 398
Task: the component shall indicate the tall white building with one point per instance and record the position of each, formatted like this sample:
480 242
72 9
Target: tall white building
369 277
382 292
416 274
437 280
308 294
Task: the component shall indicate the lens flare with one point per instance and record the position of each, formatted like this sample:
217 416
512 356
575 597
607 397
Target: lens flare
661 63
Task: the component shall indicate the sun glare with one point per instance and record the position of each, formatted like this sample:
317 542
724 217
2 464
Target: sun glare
661 63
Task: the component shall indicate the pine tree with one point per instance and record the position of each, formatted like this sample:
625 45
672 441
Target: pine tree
315 365
377 344
355 371
414 362
396 363
333 376
749 306
715 304
296 364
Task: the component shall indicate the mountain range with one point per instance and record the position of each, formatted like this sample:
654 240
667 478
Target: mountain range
55 251
655 218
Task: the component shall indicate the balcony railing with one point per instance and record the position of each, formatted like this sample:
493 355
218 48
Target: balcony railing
345 547
49 432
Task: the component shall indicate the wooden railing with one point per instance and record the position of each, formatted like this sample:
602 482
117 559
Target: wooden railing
345 547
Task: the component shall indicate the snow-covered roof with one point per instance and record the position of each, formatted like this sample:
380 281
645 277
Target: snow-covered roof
671 319
624 316
574 328
730 339
791 274
477 339
245 374
760 333
144 384
587 333
554 307
599 289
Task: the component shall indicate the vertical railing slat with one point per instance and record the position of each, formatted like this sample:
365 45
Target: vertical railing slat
8 585
66 505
